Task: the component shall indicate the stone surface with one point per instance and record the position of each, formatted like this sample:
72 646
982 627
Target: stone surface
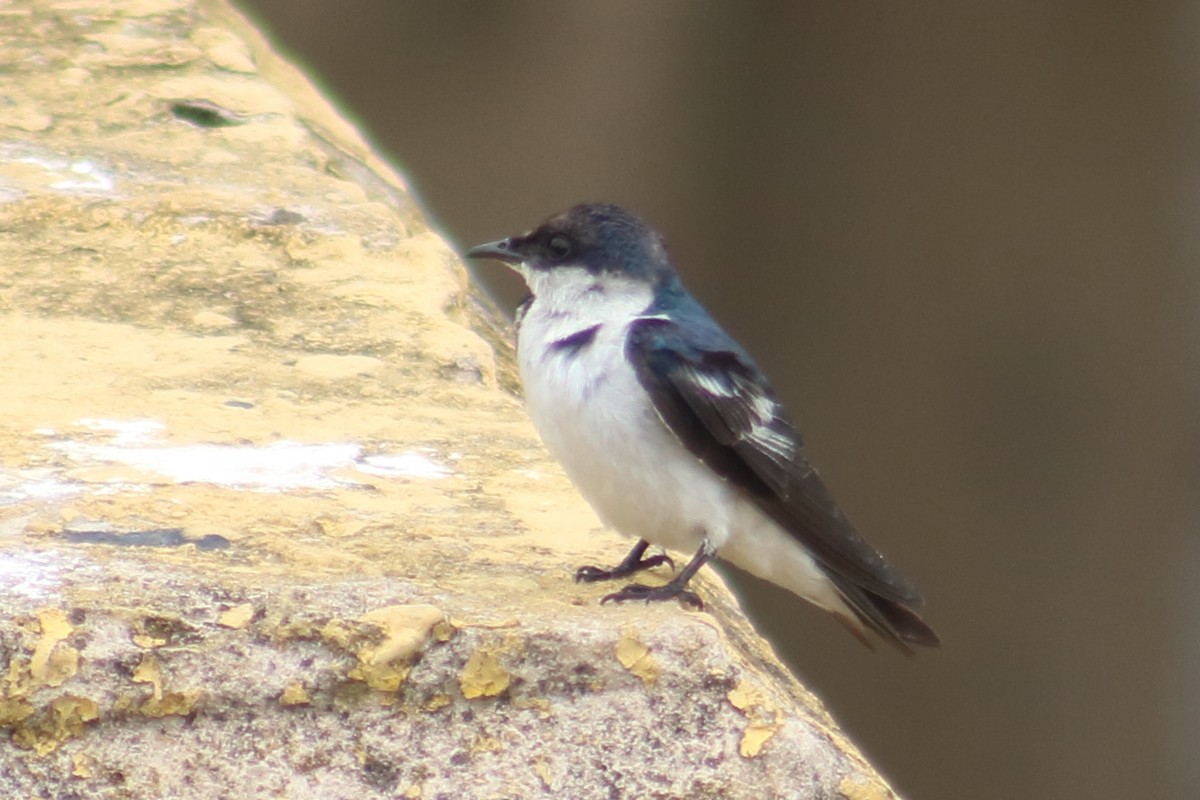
272 520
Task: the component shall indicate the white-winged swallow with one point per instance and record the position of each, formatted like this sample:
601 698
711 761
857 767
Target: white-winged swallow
671 431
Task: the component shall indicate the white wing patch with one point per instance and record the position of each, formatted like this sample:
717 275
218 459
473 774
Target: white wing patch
778 445
752 416
764 407
764 414
711 384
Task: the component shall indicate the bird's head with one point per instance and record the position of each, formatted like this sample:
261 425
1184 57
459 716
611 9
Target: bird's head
595 243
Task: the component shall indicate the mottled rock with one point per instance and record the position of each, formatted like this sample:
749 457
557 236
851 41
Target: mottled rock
272 522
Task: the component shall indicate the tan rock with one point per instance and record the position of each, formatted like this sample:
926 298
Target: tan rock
273 523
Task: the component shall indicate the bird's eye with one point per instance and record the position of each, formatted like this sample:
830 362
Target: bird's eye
559 247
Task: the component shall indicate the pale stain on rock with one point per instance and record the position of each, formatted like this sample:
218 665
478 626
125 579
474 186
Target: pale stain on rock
248 334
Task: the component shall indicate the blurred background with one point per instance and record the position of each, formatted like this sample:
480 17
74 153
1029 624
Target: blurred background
962 238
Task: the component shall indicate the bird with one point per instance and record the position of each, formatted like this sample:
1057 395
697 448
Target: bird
673 434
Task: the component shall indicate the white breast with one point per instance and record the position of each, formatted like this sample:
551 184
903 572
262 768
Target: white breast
597 420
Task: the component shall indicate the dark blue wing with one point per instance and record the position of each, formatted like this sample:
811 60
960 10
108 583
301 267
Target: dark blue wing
721 407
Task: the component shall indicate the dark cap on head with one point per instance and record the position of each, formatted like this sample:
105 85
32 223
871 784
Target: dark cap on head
601 237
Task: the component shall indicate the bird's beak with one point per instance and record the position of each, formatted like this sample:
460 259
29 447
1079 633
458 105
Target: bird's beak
501 250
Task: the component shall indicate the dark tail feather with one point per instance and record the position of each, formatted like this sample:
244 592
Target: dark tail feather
898 624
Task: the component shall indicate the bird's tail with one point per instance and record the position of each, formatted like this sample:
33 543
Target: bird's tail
895 622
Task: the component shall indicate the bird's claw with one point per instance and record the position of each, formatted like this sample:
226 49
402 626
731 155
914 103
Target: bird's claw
589 574
639 591
657 561
592 574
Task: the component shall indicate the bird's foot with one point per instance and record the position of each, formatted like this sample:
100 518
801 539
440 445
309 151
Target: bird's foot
593 574
670 591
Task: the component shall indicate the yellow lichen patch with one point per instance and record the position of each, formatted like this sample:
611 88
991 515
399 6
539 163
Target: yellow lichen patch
63 720
338 633
539 704
70 713
149 671
385 665
764 719
294 694
172 704
380 677
543 772
16 681
438 702
861 788
755 736
237 617
83 765
53 622
53 663
160 703
302 629
486 744
744 696
14 711
482 675
442 631
147 635
637 658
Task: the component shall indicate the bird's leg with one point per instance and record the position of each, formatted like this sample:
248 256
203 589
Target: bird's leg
677 588
632 563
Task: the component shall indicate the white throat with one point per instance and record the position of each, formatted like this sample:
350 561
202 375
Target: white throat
569 299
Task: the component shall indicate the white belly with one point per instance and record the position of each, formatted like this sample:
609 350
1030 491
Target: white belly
598 422
593 416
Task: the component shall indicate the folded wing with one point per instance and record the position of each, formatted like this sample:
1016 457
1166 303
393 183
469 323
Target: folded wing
722 408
